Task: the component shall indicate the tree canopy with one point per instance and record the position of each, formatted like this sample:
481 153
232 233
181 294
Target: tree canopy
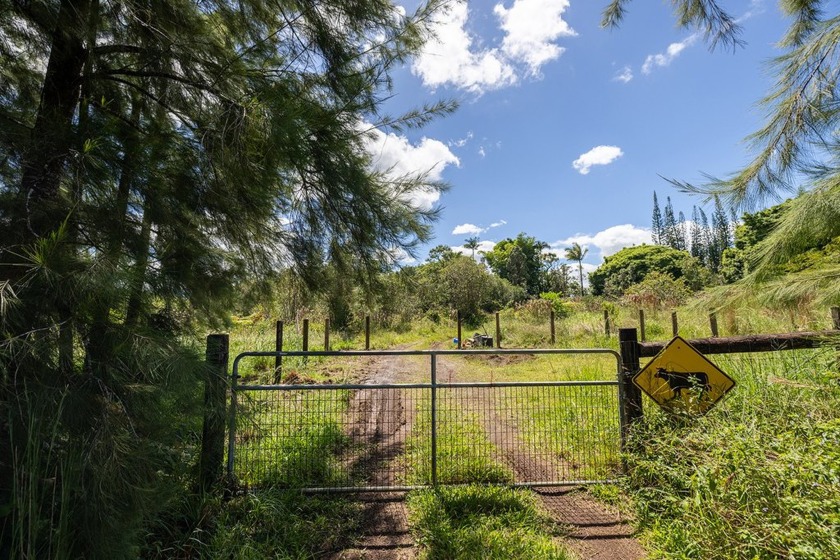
632 264
521 261
156 157
796 150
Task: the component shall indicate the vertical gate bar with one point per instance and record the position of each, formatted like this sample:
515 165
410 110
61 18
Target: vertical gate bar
278 347
232 419
433 372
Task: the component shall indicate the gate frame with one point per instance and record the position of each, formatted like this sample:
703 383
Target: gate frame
620 382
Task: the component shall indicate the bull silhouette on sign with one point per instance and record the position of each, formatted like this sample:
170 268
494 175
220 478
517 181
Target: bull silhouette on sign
678 381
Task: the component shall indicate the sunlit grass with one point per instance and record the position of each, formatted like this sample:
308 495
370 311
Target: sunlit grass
482 522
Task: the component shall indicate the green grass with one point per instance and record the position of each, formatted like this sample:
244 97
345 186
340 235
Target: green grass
758 477
469 522
463 454
282 524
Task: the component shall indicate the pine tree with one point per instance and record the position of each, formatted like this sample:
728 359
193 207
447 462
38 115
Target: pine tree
681 233
656 229
698 249
154 158
669 227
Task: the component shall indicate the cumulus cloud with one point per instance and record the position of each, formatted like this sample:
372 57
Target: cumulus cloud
599 155
467 229
398 158
624 75
664 59
456 57
471 229
608 241
531 28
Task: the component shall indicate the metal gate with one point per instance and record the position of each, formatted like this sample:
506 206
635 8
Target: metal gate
402 436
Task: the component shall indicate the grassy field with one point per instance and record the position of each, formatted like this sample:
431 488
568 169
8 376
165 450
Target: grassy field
757 477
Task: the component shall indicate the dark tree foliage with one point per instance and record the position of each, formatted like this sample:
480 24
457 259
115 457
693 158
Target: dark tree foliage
521 261
632 264
156 157
657 228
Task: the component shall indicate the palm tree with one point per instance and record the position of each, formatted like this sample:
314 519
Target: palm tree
471 243
577 253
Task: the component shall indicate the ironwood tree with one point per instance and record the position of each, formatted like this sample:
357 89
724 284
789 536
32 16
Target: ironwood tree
153 156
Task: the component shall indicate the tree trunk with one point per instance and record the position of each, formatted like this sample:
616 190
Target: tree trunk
45 158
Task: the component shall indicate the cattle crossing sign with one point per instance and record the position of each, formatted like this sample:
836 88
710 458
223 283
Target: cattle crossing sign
681 379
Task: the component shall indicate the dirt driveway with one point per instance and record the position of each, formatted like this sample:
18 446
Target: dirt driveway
379 419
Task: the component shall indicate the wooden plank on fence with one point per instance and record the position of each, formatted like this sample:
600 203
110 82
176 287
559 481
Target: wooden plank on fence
750 343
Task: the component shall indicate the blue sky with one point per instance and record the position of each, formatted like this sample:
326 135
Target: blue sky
564 128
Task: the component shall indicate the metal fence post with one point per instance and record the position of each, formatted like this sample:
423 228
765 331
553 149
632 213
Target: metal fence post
213 430
278 347
433 381
630 395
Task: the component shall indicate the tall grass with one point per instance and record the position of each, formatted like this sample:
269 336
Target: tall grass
755 478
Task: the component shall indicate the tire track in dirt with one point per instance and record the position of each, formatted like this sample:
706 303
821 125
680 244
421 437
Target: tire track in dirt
594 531
379 423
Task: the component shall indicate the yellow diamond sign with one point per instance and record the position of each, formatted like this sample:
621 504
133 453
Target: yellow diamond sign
681 379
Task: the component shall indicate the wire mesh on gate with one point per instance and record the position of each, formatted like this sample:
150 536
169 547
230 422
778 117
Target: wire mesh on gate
390 436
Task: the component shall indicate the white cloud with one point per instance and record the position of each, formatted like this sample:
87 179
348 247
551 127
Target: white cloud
467 229
456 57
481 151
461 142
599 155
471 229
398 158
624 76
531 27
608 241
451 58
672 52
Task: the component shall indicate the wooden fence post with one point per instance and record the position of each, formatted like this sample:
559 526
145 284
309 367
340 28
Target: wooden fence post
713 324
835 317
326 335
606 323
459 330
278 347
642 323
631 396
498 333
551 319
305 335
674 326
213 430
367 332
